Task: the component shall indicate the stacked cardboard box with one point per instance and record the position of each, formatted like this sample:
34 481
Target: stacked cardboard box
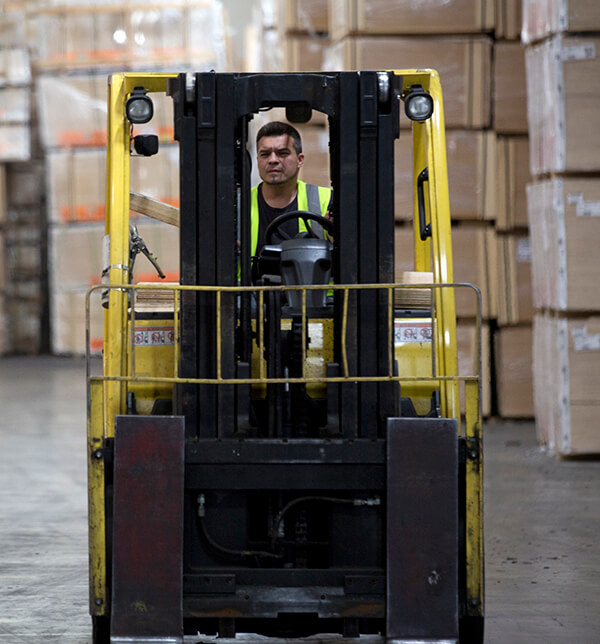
75 46
455 38
15 108
24 258
563 77
22 244
511 266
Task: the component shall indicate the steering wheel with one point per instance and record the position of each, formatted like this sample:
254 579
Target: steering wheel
297 214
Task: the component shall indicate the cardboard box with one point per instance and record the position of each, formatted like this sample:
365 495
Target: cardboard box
564 220
24 254
304 53
464 65
510 88
508 19
514 374
15 69
566 373
76 260
392 18
68 322
468 358
118 36
269 14
3 194
15 105
14 143
73 111
512 177
513 278
3 267
23 325
25 184
563 90
308 16
542 18
13 24
76 181
473 250
471 162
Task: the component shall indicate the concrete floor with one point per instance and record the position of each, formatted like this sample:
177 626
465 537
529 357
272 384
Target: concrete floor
542 521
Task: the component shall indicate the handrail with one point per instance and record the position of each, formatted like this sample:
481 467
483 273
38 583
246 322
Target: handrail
262 379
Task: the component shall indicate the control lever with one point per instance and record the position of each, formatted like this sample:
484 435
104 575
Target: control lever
138 245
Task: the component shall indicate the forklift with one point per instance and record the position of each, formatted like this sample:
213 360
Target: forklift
280 449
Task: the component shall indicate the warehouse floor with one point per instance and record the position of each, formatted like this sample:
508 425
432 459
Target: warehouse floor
542 521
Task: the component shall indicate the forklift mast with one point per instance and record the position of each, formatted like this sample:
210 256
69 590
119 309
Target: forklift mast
212 113
308 469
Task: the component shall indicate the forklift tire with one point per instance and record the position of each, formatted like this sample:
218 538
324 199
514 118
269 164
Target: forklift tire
101 629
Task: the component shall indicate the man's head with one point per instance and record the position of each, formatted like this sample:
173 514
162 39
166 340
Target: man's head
279 153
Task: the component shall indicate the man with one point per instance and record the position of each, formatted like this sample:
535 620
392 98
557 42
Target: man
279 159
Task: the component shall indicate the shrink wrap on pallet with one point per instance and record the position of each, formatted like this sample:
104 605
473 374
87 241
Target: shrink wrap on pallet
84 35
73 111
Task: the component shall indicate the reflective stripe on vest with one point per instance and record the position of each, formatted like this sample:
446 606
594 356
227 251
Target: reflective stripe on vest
311 198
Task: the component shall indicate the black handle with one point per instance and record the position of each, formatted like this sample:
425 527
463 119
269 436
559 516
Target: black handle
424 228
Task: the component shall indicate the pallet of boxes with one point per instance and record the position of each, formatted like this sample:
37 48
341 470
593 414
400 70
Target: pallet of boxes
77 45
510 262
455 38
563 84
22 242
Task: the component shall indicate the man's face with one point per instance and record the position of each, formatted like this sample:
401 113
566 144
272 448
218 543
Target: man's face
278 162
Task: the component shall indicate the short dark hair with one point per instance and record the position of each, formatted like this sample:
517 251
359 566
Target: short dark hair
278 128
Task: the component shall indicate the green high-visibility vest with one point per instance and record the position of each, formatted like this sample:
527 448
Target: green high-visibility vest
311 198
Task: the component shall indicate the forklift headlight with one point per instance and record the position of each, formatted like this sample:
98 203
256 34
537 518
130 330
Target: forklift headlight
139 107
418 104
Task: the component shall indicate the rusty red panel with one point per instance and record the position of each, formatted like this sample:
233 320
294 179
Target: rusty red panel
147 548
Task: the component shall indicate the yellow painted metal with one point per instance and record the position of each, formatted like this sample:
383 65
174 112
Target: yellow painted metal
154 358
317 347
474 498
96 507
422 248
117 228
416 359
432 135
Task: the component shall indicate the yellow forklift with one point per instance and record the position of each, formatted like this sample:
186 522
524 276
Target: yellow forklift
277 449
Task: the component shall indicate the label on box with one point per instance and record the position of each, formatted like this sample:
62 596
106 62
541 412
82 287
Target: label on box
582 341
406 331
583 208
153 336
578 52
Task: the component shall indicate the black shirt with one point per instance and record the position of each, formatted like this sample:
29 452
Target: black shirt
266 214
